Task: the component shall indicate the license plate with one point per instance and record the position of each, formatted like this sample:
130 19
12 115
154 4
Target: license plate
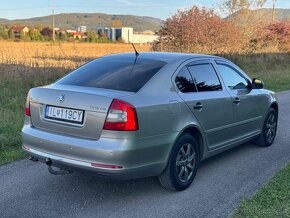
64 114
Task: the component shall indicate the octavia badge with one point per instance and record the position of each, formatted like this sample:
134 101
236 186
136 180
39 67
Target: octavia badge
61 98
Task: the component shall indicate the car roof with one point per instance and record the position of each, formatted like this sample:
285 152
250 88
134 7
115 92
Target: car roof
162 56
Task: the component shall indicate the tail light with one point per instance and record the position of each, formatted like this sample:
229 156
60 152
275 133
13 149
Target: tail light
122 116
27 106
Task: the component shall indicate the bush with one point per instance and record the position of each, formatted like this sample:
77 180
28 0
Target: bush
199 30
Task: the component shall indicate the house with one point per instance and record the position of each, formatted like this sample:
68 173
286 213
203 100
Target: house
17 30
127 35
59 31
71 31
79 35
82 29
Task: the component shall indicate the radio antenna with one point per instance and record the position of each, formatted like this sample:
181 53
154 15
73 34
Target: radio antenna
136 52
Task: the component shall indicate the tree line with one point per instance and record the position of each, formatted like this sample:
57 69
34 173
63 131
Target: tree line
202 30
40 33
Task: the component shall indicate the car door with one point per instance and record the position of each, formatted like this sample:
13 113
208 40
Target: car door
245 100
201 89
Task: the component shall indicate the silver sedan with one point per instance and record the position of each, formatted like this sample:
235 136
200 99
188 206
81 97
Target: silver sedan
136 115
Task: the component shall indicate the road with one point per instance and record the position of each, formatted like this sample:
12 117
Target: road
28 190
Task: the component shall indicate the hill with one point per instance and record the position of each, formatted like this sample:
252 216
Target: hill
264 15
91 20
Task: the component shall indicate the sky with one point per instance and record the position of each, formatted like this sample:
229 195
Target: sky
17 9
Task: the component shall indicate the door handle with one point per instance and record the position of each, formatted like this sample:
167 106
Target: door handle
237 100
198 106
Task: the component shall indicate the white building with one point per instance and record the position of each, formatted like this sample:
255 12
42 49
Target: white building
127 35
82 29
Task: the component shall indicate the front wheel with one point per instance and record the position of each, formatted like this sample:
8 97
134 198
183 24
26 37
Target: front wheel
182 165
269 130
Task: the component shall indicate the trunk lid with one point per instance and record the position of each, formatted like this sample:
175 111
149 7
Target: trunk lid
93 102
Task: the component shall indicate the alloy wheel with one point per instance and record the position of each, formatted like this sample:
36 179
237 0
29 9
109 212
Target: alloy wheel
271 128
185 162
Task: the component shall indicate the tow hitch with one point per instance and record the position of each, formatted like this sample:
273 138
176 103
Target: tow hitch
56 172
33 159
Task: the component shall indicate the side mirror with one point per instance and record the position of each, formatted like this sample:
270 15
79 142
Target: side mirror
257 84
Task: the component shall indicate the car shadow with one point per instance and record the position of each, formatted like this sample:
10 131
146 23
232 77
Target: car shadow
89 184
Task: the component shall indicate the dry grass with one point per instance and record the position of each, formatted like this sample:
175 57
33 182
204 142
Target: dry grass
63 55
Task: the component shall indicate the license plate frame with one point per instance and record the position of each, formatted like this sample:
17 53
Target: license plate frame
64 114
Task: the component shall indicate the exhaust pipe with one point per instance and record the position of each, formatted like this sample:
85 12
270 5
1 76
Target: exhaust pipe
48 162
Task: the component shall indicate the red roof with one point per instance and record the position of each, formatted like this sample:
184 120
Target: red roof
77 33
17 28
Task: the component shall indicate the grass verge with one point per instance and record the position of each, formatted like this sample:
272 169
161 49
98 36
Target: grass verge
273 69
15 82
273 200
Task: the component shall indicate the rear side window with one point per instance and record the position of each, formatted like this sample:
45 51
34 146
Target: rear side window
205 77
125 74
184 81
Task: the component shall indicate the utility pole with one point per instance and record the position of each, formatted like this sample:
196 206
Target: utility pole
273 11
53 33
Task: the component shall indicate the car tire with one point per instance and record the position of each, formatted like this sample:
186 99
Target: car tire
182 165
267 137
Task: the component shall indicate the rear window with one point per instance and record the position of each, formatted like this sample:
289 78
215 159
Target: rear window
125 74
205 77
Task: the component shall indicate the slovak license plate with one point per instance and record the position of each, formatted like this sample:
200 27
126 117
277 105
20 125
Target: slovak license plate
64 114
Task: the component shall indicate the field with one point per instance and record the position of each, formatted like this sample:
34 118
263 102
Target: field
63 55
25 64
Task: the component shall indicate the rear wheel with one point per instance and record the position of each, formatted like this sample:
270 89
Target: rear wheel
182 165
268 134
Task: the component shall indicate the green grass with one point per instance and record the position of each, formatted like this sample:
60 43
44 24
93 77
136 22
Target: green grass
273 200
16 80
273 69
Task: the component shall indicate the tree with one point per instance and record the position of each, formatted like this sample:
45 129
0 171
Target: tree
242 13
36 35
232 6
11 35
63 36
47 33
277 35
4 33
24 36
92 36
199 30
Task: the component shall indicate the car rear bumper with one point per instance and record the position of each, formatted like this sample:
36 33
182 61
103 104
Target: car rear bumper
141 157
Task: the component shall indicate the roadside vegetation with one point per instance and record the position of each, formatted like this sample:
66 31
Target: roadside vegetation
201 30
273 200
15 81
272 68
